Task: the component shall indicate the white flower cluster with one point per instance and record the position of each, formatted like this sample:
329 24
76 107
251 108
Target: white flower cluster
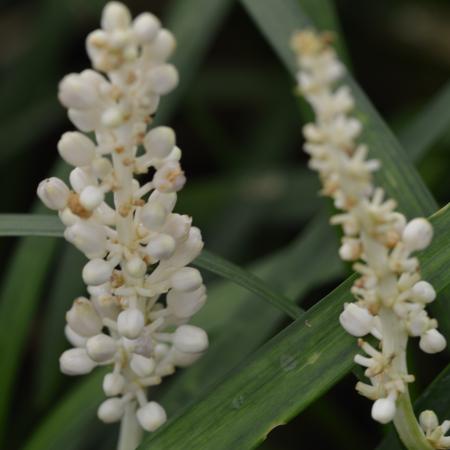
390 295
141 292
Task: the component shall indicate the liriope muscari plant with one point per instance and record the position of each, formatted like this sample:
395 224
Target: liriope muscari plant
390 296
141 292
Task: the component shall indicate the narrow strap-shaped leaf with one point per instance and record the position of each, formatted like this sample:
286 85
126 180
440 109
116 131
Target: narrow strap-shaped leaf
222 267
46 225
30 225
285 375
429 125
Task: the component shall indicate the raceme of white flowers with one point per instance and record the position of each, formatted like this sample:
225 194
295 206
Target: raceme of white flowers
390 297
141 292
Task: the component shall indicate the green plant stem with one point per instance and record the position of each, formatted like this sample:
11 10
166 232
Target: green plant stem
395 341
130 432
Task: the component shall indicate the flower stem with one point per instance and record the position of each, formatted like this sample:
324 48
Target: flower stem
395 341
407 426
130 432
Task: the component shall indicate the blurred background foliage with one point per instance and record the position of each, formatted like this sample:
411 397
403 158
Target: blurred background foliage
238 123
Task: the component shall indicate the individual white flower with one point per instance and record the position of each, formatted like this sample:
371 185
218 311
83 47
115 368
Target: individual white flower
151 416
53 193
432 341
76 362
356 320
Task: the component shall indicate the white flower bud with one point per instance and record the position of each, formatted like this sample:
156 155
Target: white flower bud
101 348
186 304
113 384
105 214
136 267
111 410
146 27
84 120
142 366
159 142
383 410
76 148
417 234
183 359
76 92
186 279
356 320
130 323
190 339
74 338
428 420
432 341
423 291
54 193
160 351
91 197
107 306
101 167
151 416
161 246
153 215
163 79
80 179
178 226
96 272
168 201
88 237
350 250
163 45
115 16
418 323
83 318
67 217
112 117
76 362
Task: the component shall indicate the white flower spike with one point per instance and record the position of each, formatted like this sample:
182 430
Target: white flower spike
390 295
135 319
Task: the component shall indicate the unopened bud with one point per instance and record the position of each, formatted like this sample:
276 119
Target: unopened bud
96 272
423 291
186 304
383 410
115 16
356 320
432 341
161 246
90 238
190 339
101 347
83 318
159 141
76 148
111 410
130 323
428 421
91 197
186 279
417 234
163 79
77 92
151 416
113 384
54 193
142 366
146 27
76 362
